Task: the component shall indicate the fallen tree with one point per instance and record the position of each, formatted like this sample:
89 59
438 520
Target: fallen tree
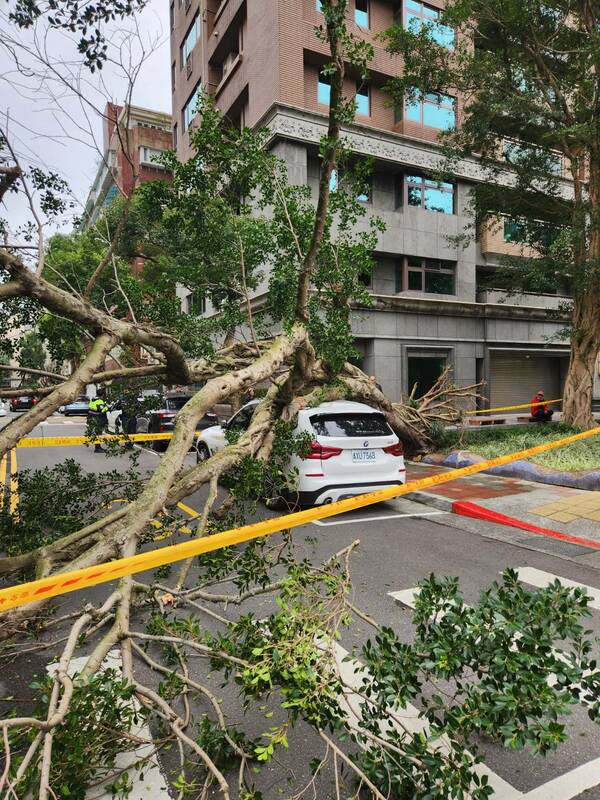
208 230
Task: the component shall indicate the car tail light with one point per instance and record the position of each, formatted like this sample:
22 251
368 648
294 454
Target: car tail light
34 401
394 449
323 452
165 415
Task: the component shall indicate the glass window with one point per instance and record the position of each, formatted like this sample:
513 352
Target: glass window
324 89
333 181
189 110
418 15
431 275
514 231
365 196
361 13
196 303
190 40
363 100
175 135
518 152
350 425
434 110
172 16
431 195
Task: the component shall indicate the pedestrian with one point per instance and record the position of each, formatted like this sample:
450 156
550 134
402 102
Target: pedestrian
540 410
97 418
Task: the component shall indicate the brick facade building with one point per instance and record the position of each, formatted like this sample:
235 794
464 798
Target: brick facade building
132 137
261 61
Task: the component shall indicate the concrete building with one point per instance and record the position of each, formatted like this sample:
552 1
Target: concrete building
132 137
261 61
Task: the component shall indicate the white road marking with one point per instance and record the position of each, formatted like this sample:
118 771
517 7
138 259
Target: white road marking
353 674
541 579
376 519
570 784
153 783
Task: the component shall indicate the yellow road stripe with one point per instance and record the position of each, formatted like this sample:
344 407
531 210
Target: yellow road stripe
14 483
71 441
512 408
2 478
91 576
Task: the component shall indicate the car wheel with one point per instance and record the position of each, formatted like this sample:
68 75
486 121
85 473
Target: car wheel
202 453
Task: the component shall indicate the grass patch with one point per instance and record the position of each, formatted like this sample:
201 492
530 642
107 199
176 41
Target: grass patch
492 442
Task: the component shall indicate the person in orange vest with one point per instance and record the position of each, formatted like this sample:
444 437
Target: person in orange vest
543 412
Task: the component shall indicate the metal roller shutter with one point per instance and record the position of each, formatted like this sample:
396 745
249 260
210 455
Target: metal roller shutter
516 377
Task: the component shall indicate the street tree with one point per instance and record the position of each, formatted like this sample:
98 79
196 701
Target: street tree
526 80
229 220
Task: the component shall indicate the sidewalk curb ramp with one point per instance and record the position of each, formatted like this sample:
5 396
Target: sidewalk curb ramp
523 470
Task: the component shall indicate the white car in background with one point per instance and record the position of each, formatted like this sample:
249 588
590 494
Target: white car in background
353 451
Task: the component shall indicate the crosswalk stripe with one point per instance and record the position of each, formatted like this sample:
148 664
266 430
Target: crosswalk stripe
541 579
577 780
568 785
353 674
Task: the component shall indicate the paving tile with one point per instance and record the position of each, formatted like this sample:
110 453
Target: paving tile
562 516
593 515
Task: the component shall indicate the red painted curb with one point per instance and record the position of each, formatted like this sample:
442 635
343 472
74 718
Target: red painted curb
474 511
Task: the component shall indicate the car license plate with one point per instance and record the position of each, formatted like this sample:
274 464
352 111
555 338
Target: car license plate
363 456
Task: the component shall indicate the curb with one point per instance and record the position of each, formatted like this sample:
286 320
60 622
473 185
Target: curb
433 500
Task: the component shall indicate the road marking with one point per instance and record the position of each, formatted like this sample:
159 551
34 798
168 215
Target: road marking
541 579
2 479
569 785
14 483
353 674
153 784
375 519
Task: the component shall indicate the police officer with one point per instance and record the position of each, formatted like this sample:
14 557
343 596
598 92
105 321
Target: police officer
97 419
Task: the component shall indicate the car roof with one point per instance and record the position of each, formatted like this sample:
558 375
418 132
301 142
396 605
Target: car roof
341 407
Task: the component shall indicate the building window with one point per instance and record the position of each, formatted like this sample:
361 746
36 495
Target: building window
148 156
324 89
195 303
518 153
190 108
173 70
190 40
429 194
175 135
429 275
514 231
333 181
419 15
361 13
363 99
434 110
366 195
172 16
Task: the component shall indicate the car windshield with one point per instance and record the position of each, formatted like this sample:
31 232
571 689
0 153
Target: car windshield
350 425
175 403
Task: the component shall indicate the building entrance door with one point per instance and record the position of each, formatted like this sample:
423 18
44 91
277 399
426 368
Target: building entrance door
424 371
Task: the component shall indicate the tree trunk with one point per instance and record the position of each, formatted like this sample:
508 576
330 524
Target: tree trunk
577 395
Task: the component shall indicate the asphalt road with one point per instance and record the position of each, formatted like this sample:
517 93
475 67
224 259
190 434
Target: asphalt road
400 544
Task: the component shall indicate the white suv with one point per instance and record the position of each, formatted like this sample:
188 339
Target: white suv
353 450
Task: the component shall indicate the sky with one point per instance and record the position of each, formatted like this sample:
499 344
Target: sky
52 127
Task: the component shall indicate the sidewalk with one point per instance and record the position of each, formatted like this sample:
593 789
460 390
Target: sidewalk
573 512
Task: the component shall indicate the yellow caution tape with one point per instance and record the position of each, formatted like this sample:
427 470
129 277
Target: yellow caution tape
512 408
64 582
72 441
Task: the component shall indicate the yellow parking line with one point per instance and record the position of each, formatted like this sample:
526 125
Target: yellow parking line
14 483
2 479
